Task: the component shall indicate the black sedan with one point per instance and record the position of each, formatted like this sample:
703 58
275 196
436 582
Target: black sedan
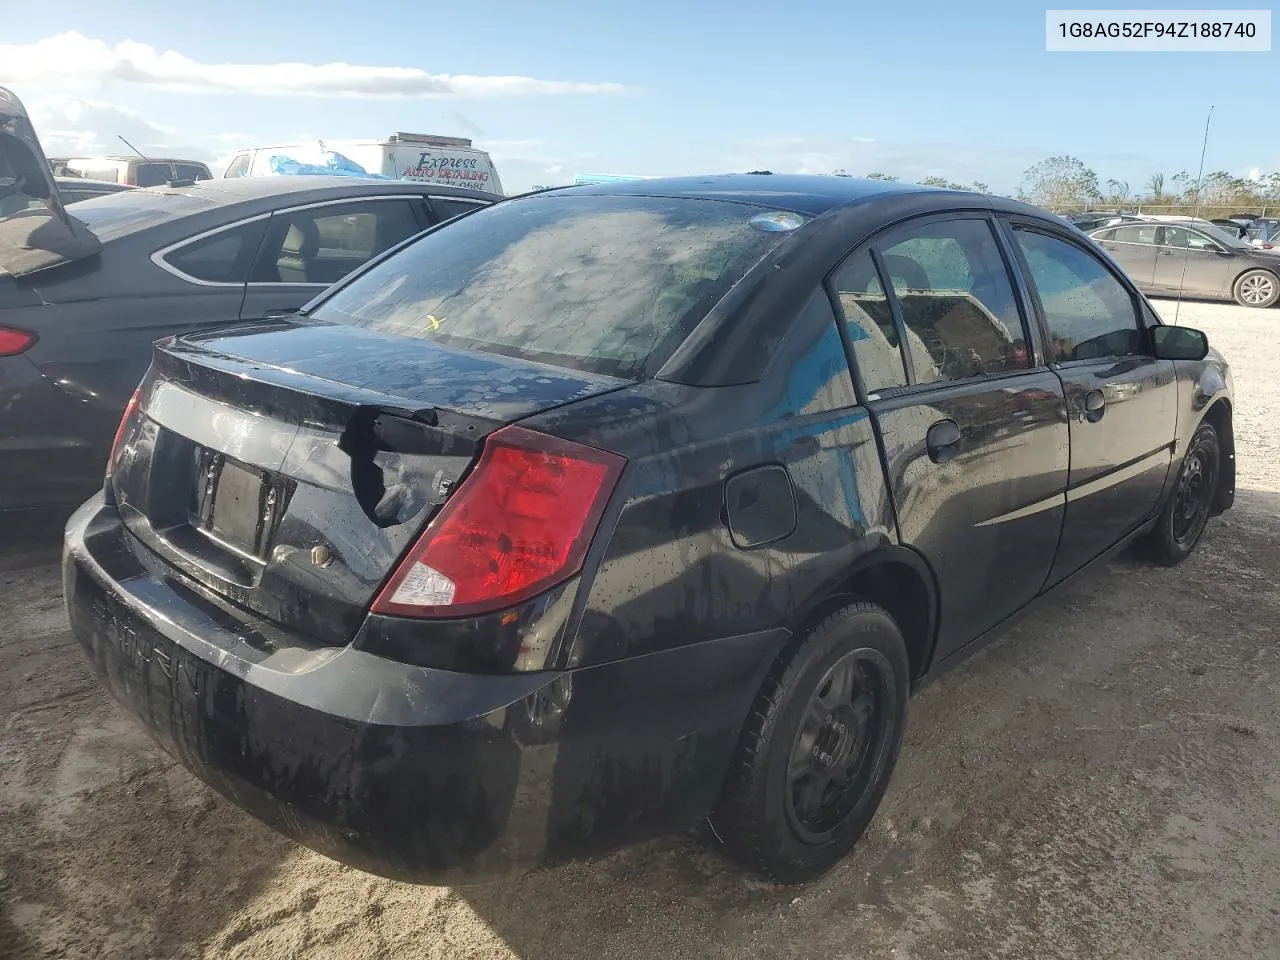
1170 257
606 509
76 332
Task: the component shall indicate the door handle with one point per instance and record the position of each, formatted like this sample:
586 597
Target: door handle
1095 405
1166 253
943 441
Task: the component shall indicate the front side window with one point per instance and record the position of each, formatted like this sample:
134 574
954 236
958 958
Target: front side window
223 257
321 245
957 301
1088 311
609 285
1183 238
869 323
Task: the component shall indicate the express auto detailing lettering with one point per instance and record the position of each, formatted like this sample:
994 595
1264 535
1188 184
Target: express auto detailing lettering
460 171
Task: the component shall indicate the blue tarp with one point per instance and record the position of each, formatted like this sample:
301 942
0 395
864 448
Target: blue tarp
335 165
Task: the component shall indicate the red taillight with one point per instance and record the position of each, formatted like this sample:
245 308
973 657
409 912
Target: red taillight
520 523
129 409
14 342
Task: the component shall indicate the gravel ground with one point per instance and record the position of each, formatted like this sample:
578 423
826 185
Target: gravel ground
1104 782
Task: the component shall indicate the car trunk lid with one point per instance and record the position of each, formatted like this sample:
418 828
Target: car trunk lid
36 232
287 467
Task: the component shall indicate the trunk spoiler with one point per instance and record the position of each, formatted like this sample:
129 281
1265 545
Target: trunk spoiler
36 232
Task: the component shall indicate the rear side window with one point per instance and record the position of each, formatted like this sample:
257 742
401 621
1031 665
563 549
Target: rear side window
223 257
869 323
192 171
610 285
1088 311
957 300
152 174
323 244
1143 234
446 208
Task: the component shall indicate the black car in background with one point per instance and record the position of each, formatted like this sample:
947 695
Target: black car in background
76 334
603 510
1171 257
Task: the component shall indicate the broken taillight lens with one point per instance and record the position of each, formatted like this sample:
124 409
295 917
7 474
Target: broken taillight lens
129 410
518 525
14 342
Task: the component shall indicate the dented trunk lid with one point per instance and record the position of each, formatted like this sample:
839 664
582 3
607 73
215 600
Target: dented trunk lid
286 467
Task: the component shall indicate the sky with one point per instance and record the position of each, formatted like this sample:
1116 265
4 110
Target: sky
560 87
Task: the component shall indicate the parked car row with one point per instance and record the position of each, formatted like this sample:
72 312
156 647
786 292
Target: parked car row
170 259
447 543
131 171
1175 255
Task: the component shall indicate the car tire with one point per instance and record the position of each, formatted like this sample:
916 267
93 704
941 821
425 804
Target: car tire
818 747
1190 503
1256 288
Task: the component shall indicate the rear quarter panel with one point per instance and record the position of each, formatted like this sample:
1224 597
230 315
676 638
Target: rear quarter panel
670 573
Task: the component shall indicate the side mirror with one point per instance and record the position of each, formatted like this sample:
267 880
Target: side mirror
1179 343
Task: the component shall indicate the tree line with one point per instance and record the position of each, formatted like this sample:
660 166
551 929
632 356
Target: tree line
1066 183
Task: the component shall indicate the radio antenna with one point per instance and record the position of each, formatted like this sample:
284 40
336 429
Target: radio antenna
1195 215
134 149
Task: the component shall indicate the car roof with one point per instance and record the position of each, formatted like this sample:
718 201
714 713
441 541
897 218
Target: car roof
232 190
803 193
136 159
90 182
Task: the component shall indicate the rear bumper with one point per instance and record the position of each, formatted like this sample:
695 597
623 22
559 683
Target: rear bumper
409 772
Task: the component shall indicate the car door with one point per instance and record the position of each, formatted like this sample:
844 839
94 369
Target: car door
973 429
1190 262
308 248
1121 400
1134 248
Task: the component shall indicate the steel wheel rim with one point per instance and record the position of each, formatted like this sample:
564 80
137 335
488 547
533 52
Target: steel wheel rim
1257 289
1193 494
840 745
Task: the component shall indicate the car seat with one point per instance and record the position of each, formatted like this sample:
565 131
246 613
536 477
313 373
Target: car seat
301 244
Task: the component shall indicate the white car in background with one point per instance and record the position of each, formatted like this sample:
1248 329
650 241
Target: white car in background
425 158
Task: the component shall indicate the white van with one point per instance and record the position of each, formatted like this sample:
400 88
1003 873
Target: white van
448 161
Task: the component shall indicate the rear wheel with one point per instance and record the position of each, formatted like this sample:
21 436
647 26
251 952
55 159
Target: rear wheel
819 747
1183 519
1256 288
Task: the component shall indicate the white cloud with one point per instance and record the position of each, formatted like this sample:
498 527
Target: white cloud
1001 168
75 127
74 61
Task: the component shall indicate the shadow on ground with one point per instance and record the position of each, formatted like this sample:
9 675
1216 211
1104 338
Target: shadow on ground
1102 782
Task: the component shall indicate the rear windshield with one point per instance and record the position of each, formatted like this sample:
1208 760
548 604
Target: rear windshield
119 214
604 284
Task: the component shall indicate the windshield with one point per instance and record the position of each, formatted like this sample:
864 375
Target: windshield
605 284
119 214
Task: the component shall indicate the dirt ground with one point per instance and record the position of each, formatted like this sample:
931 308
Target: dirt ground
1103 782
